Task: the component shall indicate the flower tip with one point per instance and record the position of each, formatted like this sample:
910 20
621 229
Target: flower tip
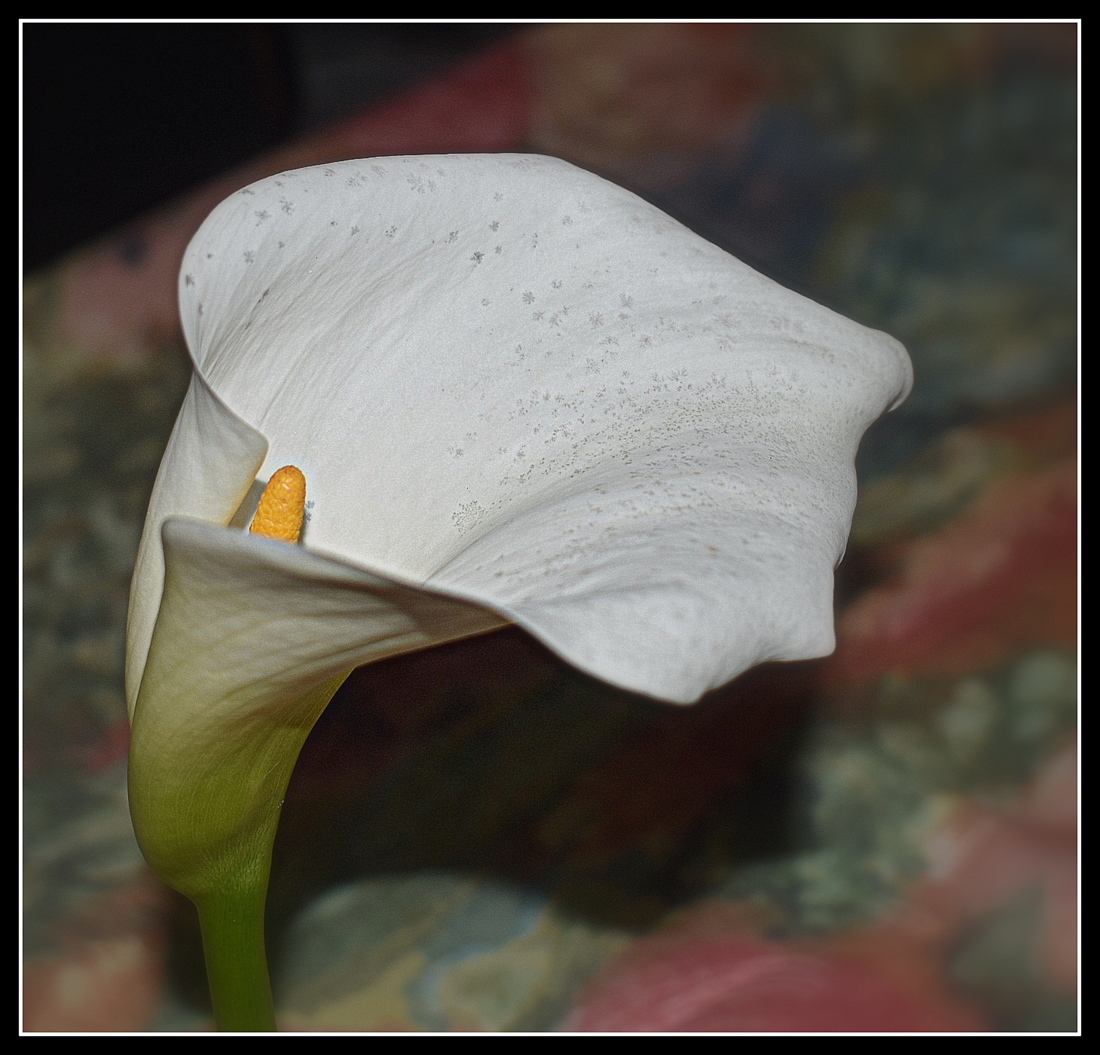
282 505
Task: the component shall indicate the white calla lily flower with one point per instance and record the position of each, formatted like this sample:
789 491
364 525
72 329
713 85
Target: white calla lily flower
519 394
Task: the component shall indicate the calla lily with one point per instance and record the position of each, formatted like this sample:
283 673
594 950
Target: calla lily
519 394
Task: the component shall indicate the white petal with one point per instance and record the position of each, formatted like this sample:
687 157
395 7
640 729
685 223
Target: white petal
251 624
207 469
512 381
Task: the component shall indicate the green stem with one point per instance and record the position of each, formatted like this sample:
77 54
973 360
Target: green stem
205 812
232 925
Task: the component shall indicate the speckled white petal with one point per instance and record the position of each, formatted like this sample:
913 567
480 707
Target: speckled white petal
511 381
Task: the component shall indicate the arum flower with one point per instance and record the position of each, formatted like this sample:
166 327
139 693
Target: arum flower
518 394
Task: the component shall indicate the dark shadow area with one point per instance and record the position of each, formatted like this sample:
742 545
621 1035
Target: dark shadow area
489 758
121 117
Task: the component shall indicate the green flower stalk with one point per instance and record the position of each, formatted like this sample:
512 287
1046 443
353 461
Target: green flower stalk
520 395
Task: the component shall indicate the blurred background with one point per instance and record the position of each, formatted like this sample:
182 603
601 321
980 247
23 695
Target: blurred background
478 838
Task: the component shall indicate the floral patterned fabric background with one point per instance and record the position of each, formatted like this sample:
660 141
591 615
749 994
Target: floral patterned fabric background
479 839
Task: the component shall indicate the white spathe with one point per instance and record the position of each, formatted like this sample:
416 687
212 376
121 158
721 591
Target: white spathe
518 393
